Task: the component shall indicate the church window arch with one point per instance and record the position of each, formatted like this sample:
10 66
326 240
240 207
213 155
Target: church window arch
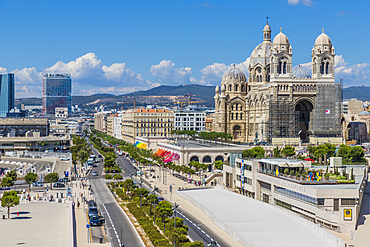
236 87
242 88
232 116
229 87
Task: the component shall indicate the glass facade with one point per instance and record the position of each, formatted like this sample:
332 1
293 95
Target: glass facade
296 195
6 93
56 92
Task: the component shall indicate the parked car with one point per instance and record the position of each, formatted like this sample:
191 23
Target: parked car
37 184
93 211
100 156
59 185
160 199
94 173
64 158
91 203
95 220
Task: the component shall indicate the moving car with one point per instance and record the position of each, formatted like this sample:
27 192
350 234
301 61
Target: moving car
94 173
59 185
64 158
37 184
160 199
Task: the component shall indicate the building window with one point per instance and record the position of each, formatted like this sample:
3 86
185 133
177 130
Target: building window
232 116
348 202
321 201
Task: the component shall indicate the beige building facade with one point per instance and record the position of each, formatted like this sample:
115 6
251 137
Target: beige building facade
146 123
275 103
100 121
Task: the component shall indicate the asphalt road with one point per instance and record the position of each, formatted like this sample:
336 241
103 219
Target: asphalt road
118 225
197 231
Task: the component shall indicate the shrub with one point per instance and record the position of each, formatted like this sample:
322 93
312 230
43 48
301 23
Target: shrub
291 173
286 171
117 176
196 244
108 176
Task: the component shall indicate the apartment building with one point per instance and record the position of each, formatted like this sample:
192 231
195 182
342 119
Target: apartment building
100 121
114 125
146 123
189 120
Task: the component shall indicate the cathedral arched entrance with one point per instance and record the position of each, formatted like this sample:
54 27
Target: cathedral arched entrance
304 110
236 132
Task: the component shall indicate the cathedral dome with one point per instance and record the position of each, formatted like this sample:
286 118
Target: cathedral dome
234 75
261 54
281 39
323 39
300 73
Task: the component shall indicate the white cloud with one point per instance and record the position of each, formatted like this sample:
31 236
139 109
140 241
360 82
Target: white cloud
356 74
87 72
212 74
304 2
166 73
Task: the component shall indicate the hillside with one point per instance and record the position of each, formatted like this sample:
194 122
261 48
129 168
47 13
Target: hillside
360 93
164 95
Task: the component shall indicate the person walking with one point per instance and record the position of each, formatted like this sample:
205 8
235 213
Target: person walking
78 204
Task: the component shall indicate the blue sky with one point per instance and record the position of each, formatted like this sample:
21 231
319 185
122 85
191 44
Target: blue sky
121 46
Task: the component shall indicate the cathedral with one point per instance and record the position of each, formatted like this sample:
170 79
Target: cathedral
276 104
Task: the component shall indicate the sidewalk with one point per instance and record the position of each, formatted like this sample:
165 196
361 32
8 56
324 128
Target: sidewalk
184 204
84 236
40 223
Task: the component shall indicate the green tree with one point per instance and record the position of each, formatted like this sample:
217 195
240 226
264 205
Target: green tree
196 244
357 154
7 182
30 178
9 199
219 164
51 178
288 151
248 153
260 152
277 151
12 174
164 210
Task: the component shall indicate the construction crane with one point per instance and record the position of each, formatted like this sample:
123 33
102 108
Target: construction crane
131 102
189 102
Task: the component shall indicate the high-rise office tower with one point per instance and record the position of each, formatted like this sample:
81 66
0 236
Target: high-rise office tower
56 92
6 93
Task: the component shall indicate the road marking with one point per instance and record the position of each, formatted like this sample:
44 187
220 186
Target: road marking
207 235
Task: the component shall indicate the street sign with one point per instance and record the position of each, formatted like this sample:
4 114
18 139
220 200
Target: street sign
66 173
87 226
69 192
171 188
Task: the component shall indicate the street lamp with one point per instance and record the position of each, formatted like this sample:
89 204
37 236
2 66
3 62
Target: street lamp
141 183
132 181
174 210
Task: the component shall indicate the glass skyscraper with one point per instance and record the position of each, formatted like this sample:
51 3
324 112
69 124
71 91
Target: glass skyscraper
6 93
56 92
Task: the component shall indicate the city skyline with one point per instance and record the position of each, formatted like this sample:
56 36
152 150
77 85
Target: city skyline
124 46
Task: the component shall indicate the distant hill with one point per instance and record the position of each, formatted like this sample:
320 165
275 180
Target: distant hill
164 95
202 91
360 93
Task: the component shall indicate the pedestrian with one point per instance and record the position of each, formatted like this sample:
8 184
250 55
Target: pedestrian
78 204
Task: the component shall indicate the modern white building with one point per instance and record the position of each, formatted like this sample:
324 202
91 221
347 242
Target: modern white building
323 201
190 120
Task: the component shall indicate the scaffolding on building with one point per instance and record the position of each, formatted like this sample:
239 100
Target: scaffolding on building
283 120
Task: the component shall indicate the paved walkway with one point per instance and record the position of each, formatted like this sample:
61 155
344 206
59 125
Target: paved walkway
40 223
